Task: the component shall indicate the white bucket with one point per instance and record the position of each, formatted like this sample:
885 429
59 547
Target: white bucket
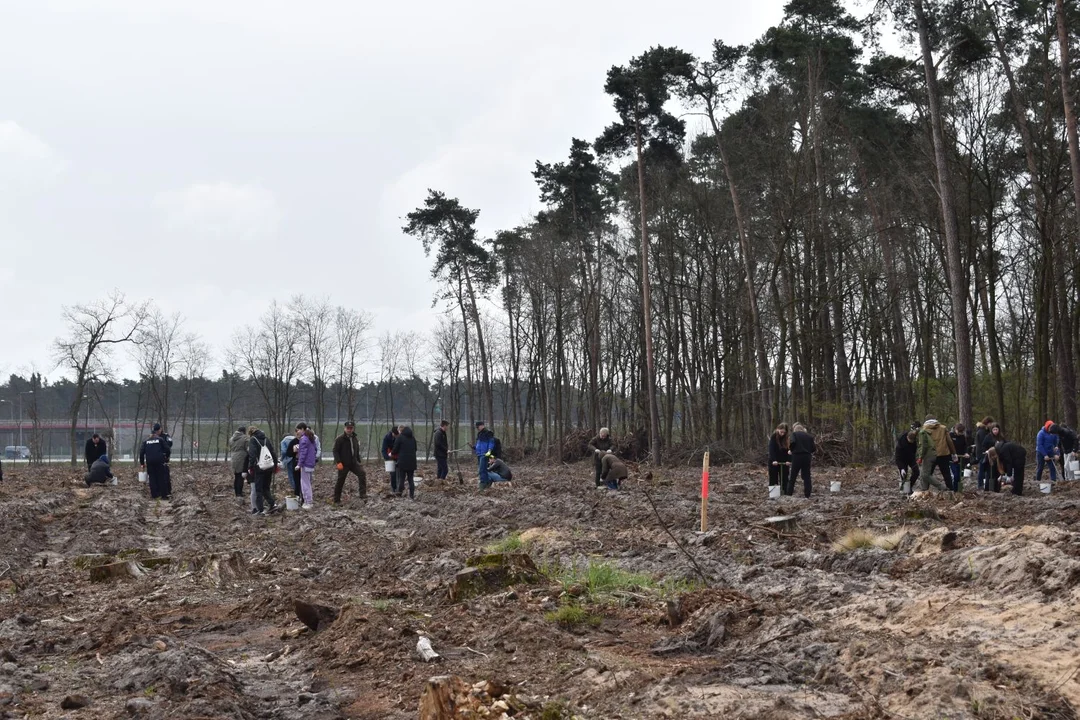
1044 488
390 465
115 480
1076 474
834 486
905 487
967 474
292 503
142 476
774 492
417 479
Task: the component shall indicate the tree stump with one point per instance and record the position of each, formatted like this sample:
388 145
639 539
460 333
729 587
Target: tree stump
314 616
442 697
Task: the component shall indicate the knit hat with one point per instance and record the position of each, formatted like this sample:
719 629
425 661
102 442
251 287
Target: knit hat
104 459
1046 427
480 423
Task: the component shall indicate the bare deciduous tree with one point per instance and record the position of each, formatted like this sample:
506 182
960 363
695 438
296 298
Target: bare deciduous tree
94 330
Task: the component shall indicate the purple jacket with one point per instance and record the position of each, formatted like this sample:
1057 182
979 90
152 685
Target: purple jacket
305 453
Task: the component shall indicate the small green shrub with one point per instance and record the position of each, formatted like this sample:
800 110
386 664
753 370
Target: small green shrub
571 616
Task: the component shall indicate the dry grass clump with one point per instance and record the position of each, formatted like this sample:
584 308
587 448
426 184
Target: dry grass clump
860 538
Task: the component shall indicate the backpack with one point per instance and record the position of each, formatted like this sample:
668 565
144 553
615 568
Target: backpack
496 449
266 458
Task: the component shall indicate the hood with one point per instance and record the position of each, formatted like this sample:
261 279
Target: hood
931 424
407 432
1052 428
104 459
485 434
260 436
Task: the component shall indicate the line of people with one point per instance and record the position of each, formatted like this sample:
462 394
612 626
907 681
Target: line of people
995 460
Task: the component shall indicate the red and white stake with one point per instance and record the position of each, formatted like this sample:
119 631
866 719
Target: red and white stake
705 493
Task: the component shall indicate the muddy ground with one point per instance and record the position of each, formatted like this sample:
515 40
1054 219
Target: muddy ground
965 608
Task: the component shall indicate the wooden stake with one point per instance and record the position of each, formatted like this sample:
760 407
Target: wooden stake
705 493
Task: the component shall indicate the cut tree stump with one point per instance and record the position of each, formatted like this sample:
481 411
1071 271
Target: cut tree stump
314 616
442 697
124 568
782 523
492 572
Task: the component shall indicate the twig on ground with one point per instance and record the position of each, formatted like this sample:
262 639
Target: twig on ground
700 572
476 652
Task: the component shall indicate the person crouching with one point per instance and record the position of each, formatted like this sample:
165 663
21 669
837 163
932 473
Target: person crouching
613 470
100 472
497 470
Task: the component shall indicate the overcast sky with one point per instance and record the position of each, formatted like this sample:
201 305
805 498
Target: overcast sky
214 155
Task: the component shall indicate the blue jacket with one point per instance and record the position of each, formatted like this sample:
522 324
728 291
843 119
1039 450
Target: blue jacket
1046 444
485 442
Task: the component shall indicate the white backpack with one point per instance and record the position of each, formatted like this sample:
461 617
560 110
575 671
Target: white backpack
266 458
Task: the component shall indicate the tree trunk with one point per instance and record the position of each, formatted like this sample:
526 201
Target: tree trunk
646 304
1066 356
957 288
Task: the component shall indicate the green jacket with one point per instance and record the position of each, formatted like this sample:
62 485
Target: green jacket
934 442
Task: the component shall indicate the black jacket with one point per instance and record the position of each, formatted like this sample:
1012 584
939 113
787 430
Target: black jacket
601 444
441 443
1066 436
980 443
962 443
255 446
802 443
1013 456
405 449
777 452
155 449
387 448
347 449
906 451
93 452
100 472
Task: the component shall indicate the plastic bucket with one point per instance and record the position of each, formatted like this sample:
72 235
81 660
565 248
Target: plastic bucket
292 503
774 492
834 486
142 476
1044 488
390 465
115 480
967 474
905 487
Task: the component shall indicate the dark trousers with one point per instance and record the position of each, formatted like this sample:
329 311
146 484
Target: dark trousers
800 465
400 476
156 474
264 494
777 474
984 479
442 467
361 479
238 484
1041 462
482 467
1018 480
597 469
294 476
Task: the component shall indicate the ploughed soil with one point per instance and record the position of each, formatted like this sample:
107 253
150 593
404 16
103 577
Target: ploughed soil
948 606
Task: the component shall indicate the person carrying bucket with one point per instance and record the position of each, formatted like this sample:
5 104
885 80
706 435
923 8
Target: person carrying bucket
387 453
780 458
905 458
1047 452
